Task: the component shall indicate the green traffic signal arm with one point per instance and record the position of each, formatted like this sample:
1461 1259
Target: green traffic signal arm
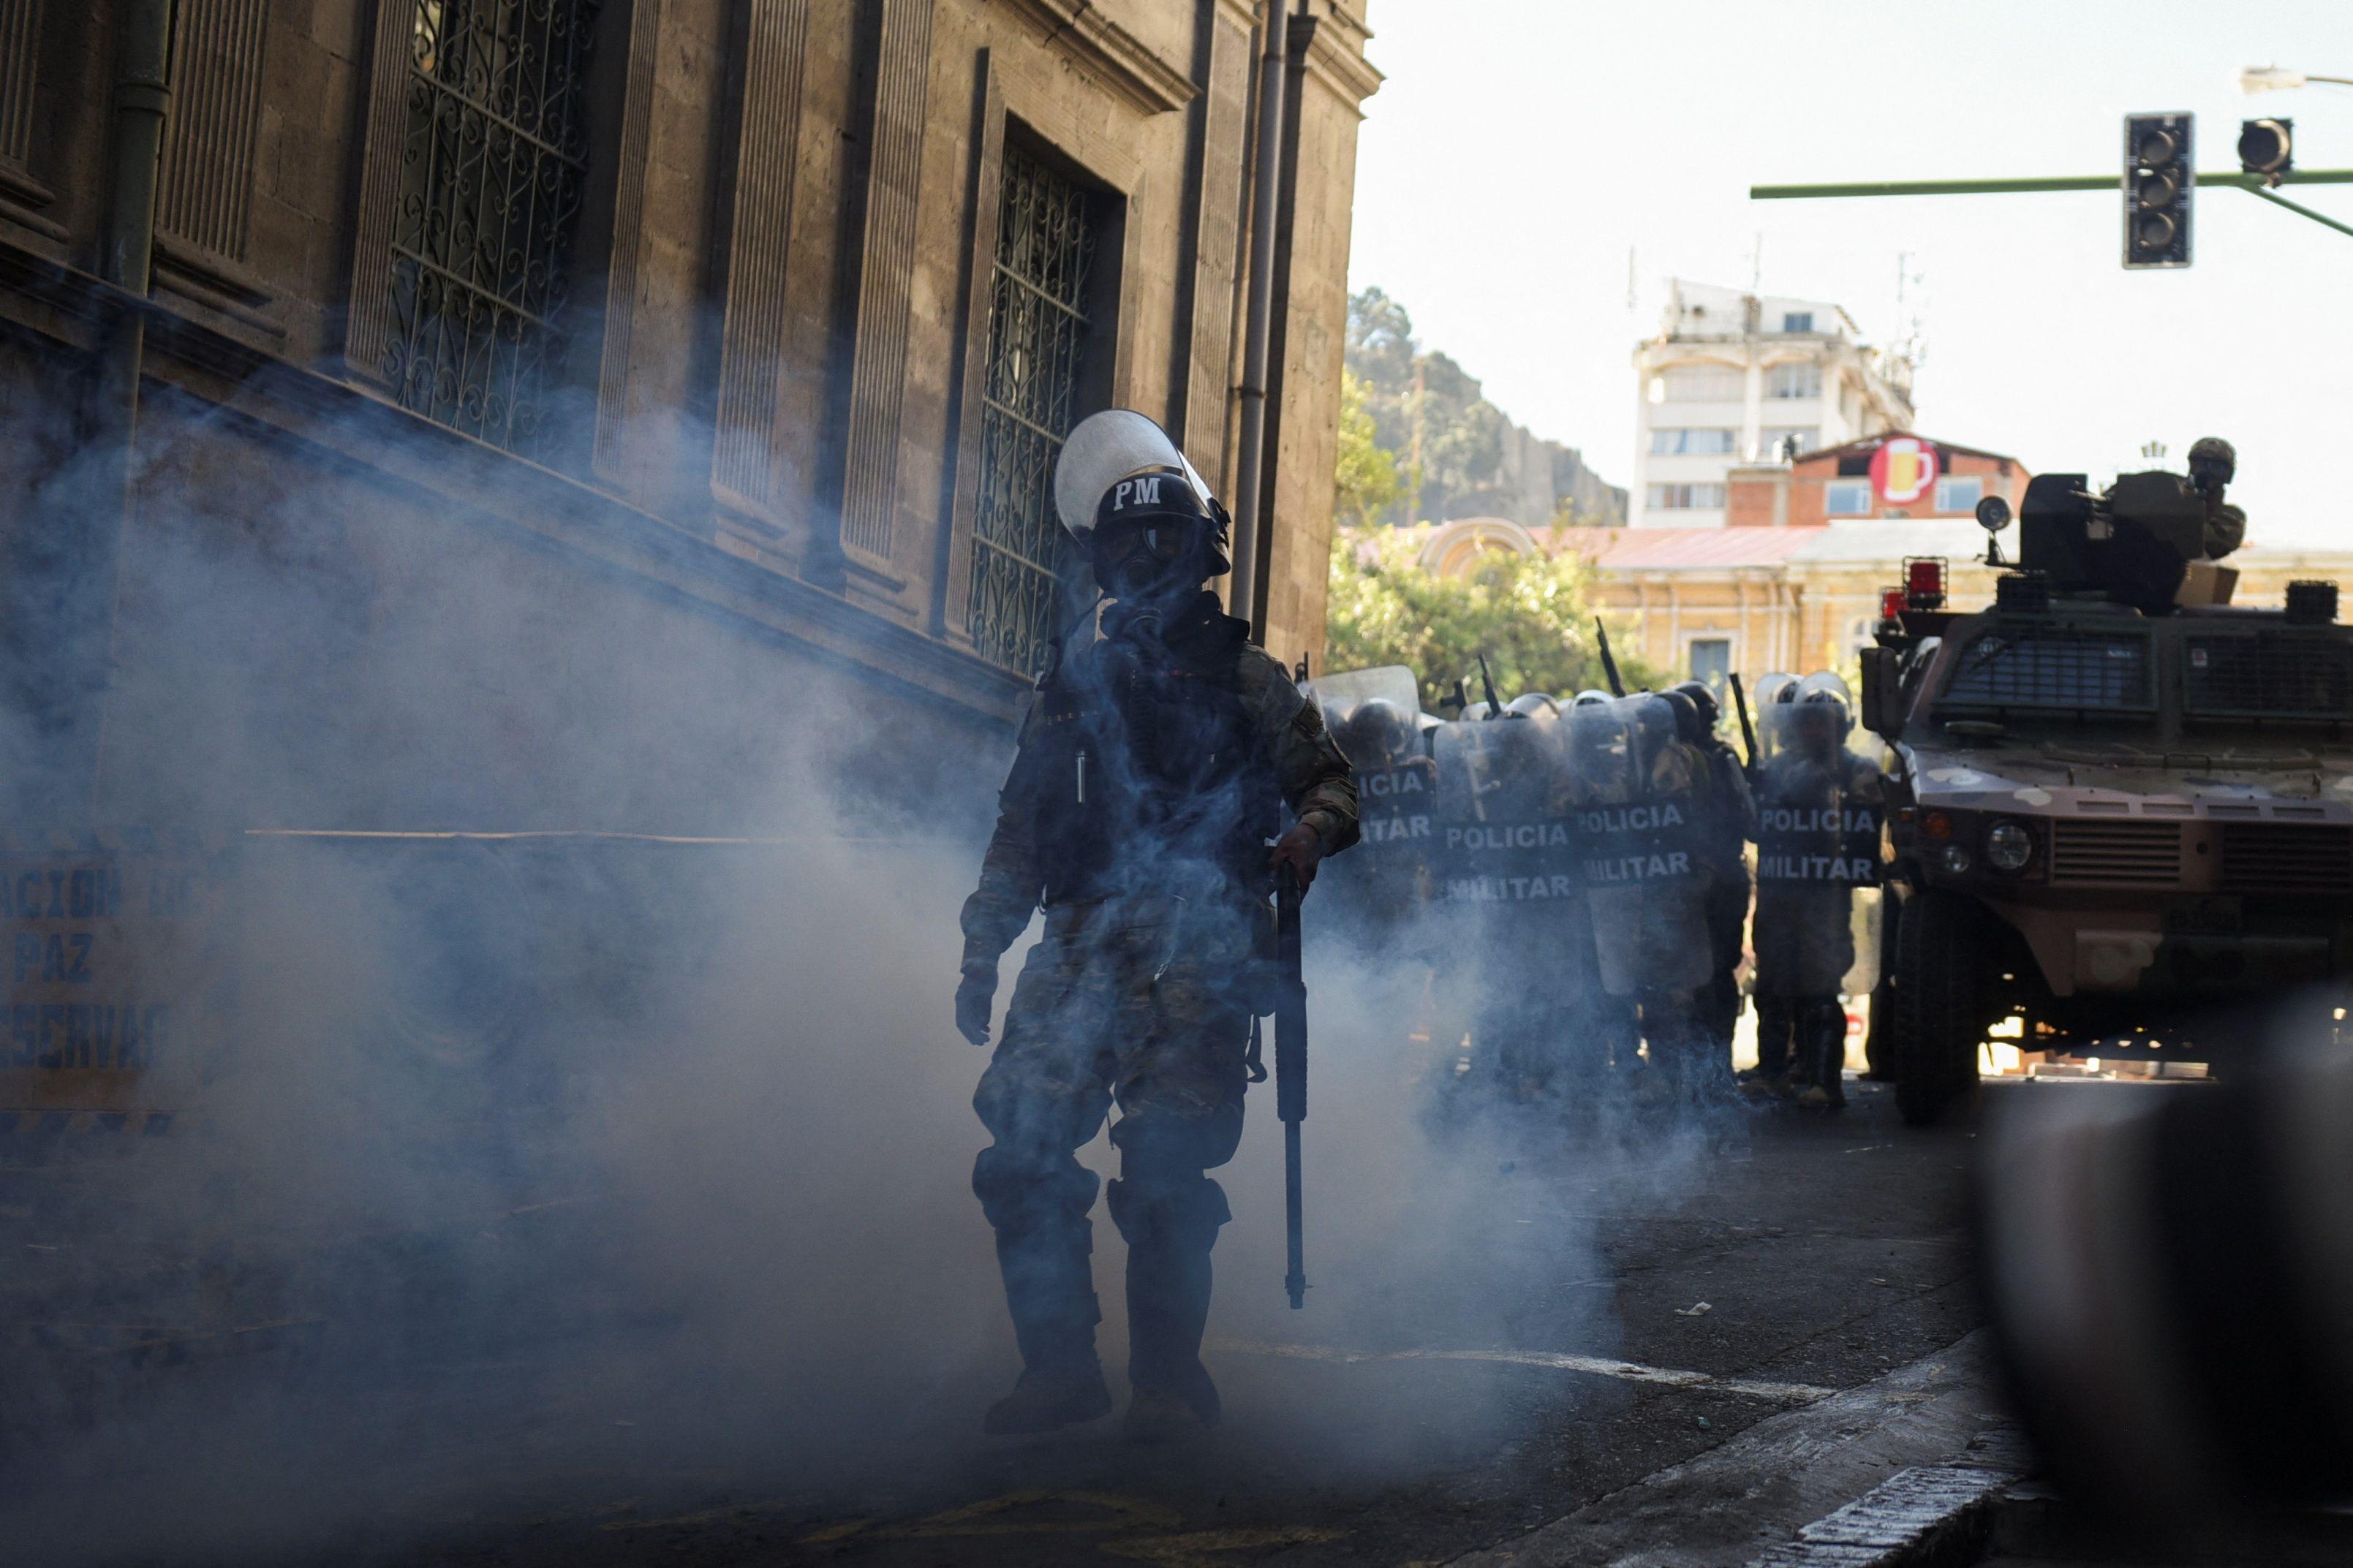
2245 181
2258 185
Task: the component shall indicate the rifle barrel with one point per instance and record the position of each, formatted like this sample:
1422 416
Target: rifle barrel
1290 1075
1294 1282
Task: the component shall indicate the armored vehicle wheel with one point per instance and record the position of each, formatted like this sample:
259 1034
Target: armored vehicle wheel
1942 997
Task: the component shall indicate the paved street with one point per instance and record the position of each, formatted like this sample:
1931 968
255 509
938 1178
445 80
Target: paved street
1665 1306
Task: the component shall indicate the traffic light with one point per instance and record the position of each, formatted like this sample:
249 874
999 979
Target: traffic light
2158 183
2267 147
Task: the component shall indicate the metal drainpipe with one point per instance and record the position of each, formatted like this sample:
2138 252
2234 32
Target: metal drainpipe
142 98
1273 70
142 94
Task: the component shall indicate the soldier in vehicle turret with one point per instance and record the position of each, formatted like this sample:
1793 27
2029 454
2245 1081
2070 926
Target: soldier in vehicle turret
2213 462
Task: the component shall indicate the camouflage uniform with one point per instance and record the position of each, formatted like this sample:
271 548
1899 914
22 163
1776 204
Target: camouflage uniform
1139 994
2226 525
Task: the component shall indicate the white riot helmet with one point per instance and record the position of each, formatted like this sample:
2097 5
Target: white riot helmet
1124 492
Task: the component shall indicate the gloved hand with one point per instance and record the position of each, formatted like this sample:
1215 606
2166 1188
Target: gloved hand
976 996
1301 849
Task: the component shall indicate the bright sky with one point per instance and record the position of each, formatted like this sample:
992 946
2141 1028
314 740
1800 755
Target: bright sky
1521 147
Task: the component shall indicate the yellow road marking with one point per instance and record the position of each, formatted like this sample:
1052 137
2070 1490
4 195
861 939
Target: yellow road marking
986 1518
1195 1550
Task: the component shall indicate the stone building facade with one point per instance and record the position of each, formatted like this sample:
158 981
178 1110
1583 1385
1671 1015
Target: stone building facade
737 331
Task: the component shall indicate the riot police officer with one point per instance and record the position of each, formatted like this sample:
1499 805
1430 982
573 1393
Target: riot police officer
1504 848
1731 823
1380 894
1154 769
2212 464
1817 840
1643 794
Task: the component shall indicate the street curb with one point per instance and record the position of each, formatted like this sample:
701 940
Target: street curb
1759 1493
1923 1516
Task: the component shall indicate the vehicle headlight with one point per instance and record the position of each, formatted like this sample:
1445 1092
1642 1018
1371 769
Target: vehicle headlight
1954 858
2008 847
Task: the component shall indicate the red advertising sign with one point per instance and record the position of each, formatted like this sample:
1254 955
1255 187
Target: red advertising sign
1904 471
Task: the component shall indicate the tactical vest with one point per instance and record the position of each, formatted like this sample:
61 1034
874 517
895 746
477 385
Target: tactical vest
1147 771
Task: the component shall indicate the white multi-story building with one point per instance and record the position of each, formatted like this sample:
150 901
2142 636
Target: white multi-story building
1736 378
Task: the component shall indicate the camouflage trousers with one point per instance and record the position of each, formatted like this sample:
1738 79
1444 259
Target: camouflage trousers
1133 1005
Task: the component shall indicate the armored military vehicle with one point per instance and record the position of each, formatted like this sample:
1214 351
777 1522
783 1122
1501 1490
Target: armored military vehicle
2119 808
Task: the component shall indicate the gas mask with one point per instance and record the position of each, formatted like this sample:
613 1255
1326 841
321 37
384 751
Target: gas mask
1150 561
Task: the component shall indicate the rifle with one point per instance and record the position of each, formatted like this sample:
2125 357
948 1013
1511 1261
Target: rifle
1290 1069
1494 707
1609 664
1747 730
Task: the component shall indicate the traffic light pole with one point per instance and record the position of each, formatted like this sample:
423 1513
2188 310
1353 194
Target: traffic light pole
2322 218
2258 184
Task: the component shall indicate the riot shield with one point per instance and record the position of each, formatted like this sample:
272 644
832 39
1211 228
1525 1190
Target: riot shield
1339 692
1770 693
1504 835
1639 794
1814 826
1384 884
1818 813
1507 849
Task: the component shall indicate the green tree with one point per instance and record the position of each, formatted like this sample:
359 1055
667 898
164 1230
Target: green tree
1530 615
1369 484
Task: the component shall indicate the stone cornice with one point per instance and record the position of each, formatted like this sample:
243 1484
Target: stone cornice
1332 60
1107 50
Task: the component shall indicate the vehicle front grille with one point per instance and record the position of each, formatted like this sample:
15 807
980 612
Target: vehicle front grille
2140 853
2275 856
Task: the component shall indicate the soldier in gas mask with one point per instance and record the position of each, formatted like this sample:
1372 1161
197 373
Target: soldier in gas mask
1162 755
1728 822
1817 840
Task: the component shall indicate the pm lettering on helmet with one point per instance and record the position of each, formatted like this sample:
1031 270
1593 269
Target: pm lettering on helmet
1143 492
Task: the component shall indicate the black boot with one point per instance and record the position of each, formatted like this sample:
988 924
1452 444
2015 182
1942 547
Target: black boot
1773 1030
1045 1246
1061 1382
1822 1041
1170 1233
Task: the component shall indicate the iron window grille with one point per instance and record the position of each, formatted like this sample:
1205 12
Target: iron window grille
492 163
1038 330
2079 672
2307 678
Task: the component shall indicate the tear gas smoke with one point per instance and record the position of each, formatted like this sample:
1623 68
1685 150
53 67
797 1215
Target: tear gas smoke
544 1171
